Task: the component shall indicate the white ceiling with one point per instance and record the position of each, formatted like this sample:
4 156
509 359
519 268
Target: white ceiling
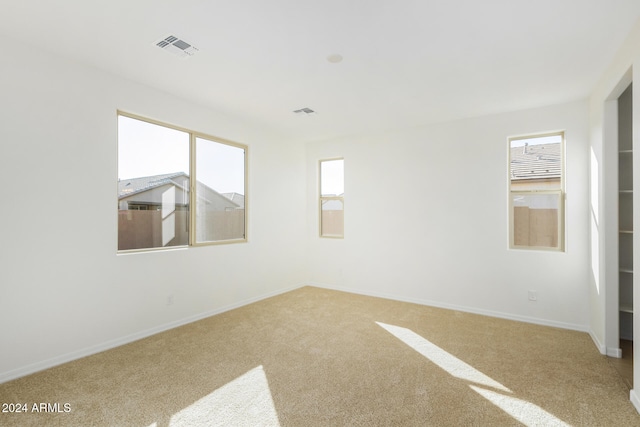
406 62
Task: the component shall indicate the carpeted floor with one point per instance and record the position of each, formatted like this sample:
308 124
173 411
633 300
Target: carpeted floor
316 357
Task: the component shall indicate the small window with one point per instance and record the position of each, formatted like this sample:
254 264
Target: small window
536 192
332 198
160 205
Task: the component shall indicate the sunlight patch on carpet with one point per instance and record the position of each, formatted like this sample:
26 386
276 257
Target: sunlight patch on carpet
525 412
245 401
444 360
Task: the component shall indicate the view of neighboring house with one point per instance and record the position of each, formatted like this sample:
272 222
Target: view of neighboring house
332 216
236 198
153 211
536 216
145 193
536 167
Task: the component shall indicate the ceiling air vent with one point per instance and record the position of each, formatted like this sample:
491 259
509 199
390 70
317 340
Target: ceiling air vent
304 112
176 46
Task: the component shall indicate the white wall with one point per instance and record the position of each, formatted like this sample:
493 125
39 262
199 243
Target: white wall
603 287
426 219
64 292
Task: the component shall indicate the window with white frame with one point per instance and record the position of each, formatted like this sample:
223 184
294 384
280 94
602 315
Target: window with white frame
536 191
332 198
177 187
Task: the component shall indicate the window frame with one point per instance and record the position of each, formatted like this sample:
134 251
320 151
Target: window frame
192 173
322 199
561 193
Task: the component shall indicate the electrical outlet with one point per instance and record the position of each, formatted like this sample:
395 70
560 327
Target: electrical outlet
170 299
533 295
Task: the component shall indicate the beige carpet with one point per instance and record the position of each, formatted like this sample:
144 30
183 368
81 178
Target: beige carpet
315 357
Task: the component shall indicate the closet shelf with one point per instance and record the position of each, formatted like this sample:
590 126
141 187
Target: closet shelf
626 309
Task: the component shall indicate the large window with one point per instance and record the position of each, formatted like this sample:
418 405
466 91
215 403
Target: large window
536 192
177 187
332 198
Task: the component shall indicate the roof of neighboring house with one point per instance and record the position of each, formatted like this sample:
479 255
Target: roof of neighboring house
332 205
236 198
127 187
541 161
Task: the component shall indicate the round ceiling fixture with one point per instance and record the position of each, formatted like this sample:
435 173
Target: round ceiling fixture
335 58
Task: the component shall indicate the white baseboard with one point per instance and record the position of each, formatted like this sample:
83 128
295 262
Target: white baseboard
88 351
601 347
614 352
500 315
635 399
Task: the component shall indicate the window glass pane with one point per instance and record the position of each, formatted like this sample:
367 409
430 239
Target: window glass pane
536 163
536 219
153 185
332 198
220 191
332 177
332 221
536 191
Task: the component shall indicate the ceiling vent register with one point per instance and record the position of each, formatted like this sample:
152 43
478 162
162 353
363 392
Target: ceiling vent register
304 112
177 46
